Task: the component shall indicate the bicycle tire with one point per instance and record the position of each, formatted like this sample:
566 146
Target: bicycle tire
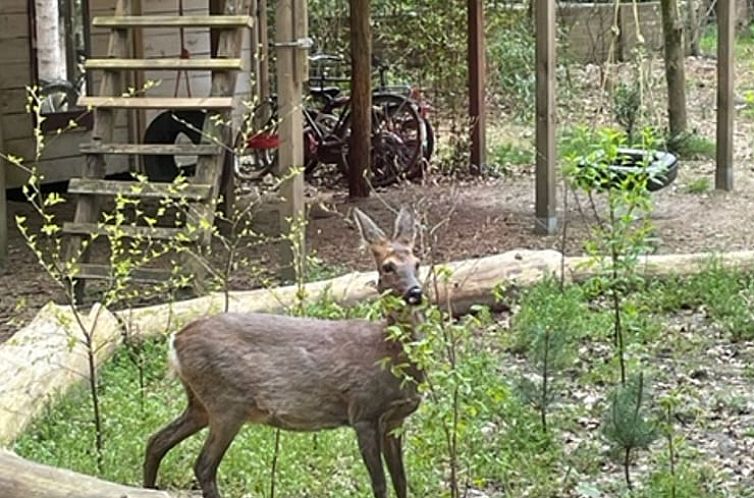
165 129
397 141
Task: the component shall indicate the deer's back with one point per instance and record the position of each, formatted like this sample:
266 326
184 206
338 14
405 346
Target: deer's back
289 372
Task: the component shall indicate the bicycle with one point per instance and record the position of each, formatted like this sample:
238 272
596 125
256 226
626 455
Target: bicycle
397 136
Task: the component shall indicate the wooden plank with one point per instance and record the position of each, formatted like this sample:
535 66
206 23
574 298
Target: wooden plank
130 231
210 103
14 26
13 101
218 22
477 109
165 64
726 31
92 271
15 75
14 7
545 208
3 204
15 50
151 149
151 190
360 145
17 126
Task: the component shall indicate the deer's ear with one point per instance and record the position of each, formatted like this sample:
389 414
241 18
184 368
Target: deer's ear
405 228
370 232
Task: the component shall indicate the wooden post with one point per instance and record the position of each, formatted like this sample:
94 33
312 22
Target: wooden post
361 99
138 119
726 31
3 203
546 217
291 152
477 109
264 51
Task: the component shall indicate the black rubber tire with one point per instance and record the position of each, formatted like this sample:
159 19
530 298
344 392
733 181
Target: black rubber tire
165 129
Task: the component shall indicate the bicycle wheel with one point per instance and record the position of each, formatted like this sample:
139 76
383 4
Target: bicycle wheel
398 139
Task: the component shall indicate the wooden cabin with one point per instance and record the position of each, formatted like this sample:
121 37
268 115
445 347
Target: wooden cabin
23 65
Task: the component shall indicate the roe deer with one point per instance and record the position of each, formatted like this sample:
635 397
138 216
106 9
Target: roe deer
300 374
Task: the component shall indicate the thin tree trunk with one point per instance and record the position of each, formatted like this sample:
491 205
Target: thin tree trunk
672 29
694 28
361 99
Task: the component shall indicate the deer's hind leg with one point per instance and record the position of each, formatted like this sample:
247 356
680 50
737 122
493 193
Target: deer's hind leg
191 421
222 430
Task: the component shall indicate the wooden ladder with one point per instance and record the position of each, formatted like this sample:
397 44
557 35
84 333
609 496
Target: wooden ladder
204 186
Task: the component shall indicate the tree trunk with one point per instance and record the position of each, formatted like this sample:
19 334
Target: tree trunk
672 29
694 26
21 478
361 99
51 63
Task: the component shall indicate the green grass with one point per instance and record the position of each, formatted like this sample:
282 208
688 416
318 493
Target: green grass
327 464
504 156
501 447
744 42
700 185
693 147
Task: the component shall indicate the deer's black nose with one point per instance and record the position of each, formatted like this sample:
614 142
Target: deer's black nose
414 295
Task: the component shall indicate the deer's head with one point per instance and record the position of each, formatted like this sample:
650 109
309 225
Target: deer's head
397 265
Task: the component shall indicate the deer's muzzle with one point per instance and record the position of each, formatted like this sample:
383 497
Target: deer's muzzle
414 295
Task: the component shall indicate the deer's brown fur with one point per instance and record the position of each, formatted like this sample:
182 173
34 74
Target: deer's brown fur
298 374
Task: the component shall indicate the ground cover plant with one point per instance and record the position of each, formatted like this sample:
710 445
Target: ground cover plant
501 447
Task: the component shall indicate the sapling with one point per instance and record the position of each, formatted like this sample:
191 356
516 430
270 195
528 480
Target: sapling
625 424
619 241
545 328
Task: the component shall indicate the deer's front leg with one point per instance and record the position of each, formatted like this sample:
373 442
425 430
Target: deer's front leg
368 435
392 448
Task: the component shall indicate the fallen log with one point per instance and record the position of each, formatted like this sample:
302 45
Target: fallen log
46 357
21 478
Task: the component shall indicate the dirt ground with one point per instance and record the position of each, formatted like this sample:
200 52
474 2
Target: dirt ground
486 216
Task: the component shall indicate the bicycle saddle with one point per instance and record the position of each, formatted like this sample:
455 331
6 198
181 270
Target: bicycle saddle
325 91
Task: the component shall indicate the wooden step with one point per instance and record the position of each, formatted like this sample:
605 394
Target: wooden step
151 149
210 103
150 190
121 22
93 271
165 64
130 231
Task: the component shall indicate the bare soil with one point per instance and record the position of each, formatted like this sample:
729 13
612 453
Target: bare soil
486 215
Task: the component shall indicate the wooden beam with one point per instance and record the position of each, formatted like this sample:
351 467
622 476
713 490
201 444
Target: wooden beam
726 31
477 109
264 51
291 152
359 152
3 203
165 64
218 22
158 103
546 217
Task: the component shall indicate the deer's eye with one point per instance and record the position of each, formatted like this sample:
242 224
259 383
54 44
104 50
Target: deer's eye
417 266
388 268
